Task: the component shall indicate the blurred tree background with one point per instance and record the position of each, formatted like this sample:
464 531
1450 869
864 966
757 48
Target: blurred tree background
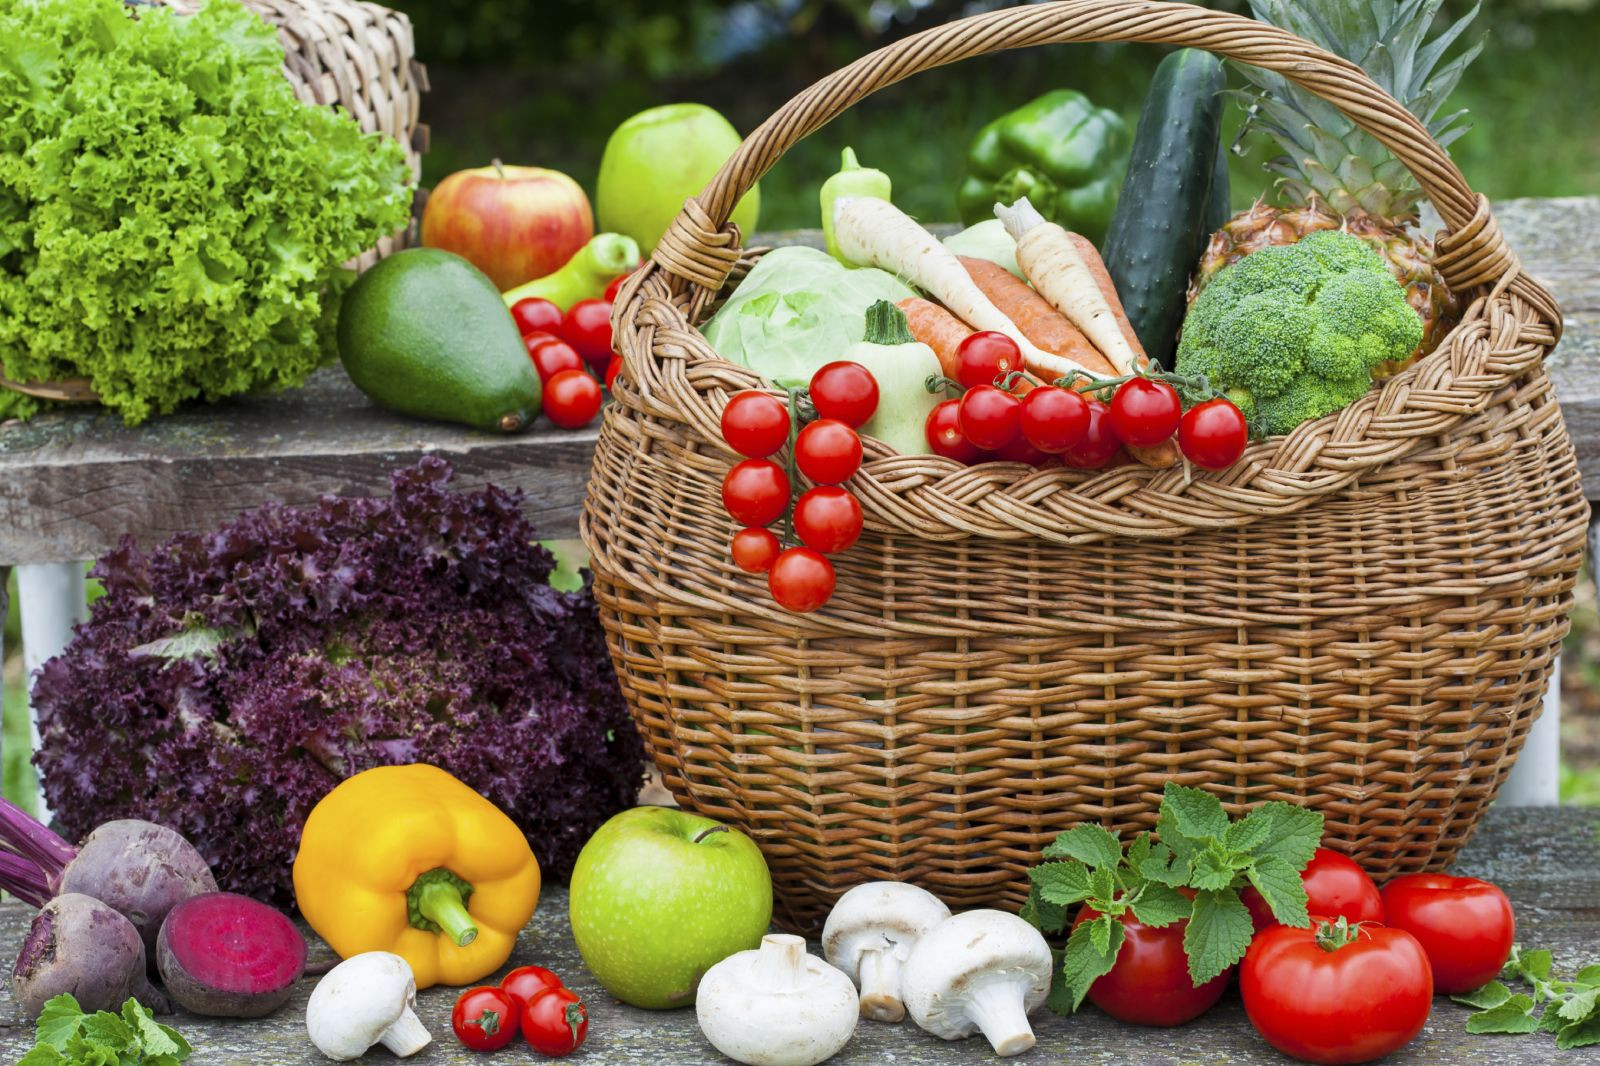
544 82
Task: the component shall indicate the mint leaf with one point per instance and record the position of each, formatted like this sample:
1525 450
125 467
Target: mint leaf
1580 1005
59 1021
1043 915
1159 906
1102 887
42 1055
1579 1034
1293 833
1163 867
1249 833
1062 883
1218 934
1536 964
1280 885
1589 975
107 1029
1100 933
1512 1016
156 1039
1212 870
1488 997
1551 1022
1083 962
1198 815
1059 1001
1092 845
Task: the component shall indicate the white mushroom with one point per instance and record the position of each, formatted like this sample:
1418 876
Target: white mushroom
776 1005
366 1000
983 970
870 933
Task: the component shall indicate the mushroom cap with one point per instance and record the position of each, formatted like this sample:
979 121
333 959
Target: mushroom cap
776 1005
877 914
356 1001
969 951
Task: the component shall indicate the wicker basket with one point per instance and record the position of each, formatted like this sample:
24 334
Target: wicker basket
1360 617
343 53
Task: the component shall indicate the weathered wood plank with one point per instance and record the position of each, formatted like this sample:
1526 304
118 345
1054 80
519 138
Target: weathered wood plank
1548 861
72 484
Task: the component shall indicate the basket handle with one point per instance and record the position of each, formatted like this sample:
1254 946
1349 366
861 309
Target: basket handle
700 249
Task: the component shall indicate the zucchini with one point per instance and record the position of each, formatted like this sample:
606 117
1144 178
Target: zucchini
1161 223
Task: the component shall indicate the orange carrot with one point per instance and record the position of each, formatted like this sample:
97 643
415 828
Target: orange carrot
939 330
1042 324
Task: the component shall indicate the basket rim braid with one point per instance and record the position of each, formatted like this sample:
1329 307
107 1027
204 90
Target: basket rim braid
1509 327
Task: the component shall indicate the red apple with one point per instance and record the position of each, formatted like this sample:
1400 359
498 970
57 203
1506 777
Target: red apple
513 223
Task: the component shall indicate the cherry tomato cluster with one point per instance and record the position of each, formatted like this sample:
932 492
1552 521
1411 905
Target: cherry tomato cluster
1355 985
569 350
1001 415
530 1000
826 519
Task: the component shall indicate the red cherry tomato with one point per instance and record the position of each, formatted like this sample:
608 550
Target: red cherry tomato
1465 926
1145 412
801 579
754 424
1328 996
1021 450
985 358
1213 434
1149 983
943 430
990 418
827 518
555 1022
754 550
485 1019
756 492
587 327
612 370
1054 419
828 452
1336 886
572 399
551 355
536 315
614 287
845 392
1098 446
525 982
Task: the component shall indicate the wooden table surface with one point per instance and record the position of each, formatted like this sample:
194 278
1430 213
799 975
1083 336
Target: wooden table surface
1548 861
71 484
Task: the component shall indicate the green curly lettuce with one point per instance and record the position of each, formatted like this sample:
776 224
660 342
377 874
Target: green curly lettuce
172 217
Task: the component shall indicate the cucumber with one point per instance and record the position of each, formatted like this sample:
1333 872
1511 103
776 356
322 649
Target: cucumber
1218 210
1162 219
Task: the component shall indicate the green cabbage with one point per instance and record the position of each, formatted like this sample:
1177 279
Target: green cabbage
172 217
796 311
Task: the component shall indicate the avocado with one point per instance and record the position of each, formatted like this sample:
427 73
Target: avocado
425 333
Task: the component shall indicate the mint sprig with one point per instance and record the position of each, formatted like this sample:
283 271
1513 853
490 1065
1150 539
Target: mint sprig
66 1036
1568 1009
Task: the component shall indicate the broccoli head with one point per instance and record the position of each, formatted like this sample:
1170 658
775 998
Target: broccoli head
1293 333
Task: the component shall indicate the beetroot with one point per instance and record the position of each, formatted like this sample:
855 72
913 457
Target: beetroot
229 956
140 869
79 945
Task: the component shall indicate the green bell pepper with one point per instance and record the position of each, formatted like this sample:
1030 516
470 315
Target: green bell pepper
1062 152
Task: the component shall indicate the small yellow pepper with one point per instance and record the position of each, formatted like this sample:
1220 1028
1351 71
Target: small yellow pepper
410 860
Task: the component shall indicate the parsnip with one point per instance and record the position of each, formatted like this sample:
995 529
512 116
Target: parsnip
874 232
1057 269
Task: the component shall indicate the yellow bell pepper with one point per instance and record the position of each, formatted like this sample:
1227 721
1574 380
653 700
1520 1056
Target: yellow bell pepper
410 860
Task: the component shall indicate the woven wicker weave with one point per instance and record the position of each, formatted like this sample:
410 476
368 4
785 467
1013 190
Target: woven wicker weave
1360 617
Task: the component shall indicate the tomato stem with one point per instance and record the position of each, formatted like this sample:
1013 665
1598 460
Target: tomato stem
1331 936
939 383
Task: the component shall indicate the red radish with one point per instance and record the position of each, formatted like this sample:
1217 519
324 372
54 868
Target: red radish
228 956
79 945
140 869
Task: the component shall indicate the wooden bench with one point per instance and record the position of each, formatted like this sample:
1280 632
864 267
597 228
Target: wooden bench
1547 861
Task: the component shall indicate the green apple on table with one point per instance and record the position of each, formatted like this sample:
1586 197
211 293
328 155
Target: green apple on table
659 896
655 161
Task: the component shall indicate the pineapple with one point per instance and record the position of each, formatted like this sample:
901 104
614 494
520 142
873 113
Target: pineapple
1333 174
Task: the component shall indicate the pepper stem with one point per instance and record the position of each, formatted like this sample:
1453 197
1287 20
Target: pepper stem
437 903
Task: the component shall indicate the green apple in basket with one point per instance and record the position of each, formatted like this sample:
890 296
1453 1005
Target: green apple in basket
659 896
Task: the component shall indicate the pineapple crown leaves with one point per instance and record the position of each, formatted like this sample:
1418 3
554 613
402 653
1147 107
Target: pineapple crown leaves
1327 156
1200 851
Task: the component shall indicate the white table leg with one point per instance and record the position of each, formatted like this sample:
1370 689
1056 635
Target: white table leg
51 596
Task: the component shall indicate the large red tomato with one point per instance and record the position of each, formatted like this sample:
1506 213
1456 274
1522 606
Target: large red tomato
1464 924
1336 993
1150 983
1336 886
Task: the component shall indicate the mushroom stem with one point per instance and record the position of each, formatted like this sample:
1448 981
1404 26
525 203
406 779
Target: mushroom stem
406 1036
781 960
996 1008
879 973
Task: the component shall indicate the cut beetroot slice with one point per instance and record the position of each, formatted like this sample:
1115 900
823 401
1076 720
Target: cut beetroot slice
228 956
